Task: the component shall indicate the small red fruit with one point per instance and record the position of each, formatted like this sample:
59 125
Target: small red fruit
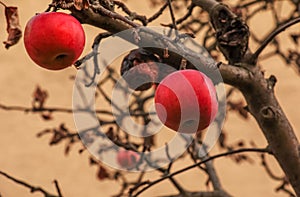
54 40
127 159
186 101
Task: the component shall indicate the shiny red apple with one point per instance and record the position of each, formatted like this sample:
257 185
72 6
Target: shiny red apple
186 101
127 159
54 40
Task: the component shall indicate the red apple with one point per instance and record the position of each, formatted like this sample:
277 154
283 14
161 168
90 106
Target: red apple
186 101
127 159
54 40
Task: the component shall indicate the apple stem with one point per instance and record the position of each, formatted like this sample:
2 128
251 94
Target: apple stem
2 4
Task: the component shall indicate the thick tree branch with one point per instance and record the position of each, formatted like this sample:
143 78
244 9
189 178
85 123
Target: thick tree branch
279 133
151 38
265 108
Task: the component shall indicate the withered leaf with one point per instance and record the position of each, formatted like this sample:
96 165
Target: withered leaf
102 173
39 98
13 27
295 38
81 4
93 161
47 116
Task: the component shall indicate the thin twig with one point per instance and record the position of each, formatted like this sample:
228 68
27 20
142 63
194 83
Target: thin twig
158 13
63 110
49 109
262 150
3 4
273 35
58 188
114 15
188 14
172 15
132 15
268 170
27 185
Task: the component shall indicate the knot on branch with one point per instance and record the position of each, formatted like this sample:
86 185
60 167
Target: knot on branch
231 32
268 113
271 82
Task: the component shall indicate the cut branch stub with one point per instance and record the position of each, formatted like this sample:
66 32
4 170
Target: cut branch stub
231 32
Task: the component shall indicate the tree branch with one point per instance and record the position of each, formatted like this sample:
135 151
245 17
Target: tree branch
61 110
263 105
58 188
32 188
201 162
261 100
202 194
272 35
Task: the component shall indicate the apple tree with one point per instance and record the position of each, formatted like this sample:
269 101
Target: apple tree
226 51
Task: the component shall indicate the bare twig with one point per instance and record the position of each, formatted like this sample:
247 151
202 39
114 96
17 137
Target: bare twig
49 109
113 15
32 188
158 13
282 179
62 110
201 194
187 15
2 4
172 15
273 34
201 162
58 188
93 54
132 15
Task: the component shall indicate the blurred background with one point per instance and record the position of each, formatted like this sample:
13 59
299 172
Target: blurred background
29 158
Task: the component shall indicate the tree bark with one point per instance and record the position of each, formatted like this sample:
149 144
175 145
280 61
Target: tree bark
257 90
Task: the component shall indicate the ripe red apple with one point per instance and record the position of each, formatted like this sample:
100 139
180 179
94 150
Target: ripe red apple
54 40
186 101
127 159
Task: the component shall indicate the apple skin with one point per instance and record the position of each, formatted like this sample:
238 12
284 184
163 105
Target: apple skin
127 159
54 40
186 101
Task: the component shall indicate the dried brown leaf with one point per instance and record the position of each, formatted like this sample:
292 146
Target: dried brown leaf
13 27
67 149
102 173
47 116
39 98
93 161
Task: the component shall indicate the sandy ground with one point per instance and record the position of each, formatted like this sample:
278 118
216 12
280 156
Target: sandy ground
31 159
